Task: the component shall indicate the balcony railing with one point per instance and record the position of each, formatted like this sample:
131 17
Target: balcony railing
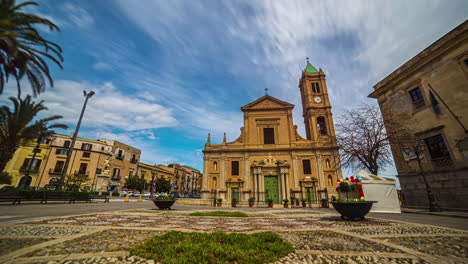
81 173
443 162
119 157
132 160
116 177
55 171
32 170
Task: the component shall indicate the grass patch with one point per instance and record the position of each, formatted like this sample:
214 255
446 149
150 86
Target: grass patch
220 213
219 247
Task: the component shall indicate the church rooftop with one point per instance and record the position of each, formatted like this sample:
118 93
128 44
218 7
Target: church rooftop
310 69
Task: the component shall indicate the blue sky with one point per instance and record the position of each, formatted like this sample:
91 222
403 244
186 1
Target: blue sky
166 73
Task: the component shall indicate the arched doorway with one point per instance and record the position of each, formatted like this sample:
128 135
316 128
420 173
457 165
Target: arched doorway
25 181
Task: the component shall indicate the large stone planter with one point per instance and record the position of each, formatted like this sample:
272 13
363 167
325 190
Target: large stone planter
353 210
163 204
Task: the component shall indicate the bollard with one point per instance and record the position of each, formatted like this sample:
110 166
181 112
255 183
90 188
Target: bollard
140 198
126 198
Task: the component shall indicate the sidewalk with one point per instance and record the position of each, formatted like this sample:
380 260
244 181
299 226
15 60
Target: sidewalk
443 213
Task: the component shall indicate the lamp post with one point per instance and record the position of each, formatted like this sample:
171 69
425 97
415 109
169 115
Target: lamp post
67 161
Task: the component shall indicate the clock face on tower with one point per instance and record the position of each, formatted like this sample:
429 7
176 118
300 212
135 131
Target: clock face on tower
317 99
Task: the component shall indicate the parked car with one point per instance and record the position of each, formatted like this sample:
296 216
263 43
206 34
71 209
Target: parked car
146 194
123 193
8 188
135 194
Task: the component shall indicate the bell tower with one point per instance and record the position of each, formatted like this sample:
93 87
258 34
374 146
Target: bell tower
316 105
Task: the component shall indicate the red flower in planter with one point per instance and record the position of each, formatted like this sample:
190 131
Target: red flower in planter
359 187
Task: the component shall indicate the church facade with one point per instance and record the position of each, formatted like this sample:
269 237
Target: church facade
270 160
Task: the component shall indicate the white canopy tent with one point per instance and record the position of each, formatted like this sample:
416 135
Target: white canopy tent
382 190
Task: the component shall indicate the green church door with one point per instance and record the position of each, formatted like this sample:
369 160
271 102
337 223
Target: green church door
235 194
271 189
310 194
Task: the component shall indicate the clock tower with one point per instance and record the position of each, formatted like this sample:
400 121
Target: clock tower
316 106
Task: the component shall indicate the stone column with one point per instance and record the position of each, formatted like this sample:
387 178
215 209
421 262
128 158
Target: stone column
206 177
318 158
295 171
222 176
247 180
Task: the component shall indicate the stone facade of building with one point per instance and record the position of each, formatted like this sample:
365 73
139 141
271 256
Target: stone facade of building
270 160
428 96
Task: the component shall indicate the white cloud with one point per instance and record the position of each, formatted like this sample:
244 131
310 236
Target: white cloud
109 108
77 15
102 66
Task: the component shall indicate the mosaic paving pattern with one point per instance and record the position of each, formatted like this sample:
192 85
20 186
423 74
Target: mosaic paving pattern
104 241
317 237
328 240
8 245
215 223
453 246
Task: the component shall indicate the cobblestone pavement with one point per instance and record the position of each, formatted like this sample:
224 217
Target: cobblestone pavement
317 237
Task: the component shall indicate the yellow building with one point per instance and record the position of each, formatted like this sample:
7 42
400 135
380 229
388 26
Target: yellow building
87 161
430 94
18 166
270 160
153 172
124 163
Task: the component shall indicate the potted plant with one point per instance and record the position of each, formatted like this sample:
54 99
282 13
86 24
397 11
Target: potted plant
251 201
285 203
304 204
219 202
351 203
293 199
297 201
164 201
233 202
270 203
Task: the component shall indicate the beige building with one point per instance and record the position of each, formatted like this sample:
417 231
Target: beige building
87 159
270 160
186 179
124 163
428 95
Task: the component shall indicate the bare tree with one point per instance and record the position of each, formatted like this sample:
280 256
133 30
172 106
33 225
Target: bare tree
362 139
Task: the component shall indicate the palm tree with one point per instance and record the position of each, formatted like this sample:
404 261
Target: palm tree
18 126
22 49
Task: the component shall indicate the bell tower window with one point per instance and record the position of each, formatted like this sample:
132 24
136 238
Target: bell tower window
315 87
321 126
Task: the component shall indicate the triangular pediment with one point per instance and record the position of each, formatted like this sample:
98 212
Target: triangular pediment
267 102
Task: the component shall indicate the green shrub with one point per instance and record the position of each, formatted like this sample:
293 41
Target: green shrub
105 193
218 247
251 199
115 194
220 213
164 198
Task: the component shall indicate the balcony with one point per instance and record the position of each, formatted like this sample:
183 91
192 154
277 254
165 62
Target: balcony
81 173
132 160
57 171
442 163
31 170
119 157
116 177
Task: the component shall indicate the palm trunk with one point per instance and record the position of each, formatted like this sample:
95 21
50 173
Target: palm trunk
6 153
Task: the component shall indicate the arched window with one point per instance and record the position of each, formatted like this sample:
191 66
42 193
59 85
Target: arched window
25 181
330 180
214 182
327 163
215 165
321 126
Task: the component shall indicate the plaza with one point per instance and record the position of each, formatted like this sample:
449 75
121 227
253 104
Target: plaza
32 233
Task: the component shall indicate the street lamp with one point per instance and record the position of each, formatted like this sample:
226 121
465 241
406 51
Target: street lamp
67 161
